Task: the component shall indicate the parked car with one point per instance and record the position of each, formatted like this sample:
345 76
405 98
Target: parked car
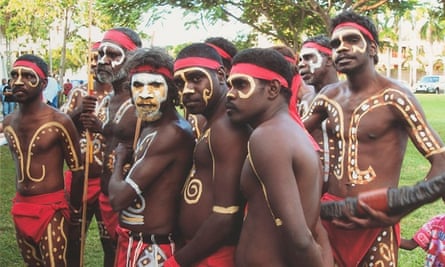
431 84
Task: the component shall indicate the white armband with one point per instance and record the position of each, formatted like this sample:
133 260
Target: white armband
133 185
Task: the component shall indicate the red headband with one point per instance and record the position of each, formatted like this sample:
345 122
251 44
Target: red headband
31 65
95 46
150 69
357 26
119 38
319 47
196 62
290 60
220 51
258 72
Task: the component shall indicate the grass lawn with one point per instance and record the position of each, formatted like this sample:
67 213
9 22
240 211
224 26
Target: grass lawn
414 169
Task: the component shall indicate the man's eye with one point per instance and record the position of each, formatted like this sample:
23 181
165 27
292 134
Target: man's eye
238 84
179 83
335 43
137 84
156 84
196 78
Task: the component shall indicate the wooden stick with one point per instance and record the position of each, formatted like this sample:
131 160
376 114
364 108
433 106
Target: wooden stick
89 145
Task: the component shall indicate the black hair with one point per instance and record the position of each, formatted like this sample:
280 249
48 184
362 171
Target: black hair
270 59
366 22
320 39
286 51
199 50
157 58
37 60
225 45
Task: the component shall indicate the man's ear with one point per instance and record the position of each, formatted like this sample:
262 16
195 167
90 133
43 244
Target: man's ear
329 61
274 89
222 75
373 49
44 83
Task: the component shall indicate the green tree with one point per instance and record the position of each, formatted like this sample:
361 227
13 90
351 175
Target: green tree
37 20
285 21
432 29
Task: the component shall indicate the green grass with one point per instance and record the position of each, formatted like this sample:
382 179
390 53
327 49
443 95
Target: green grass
414 169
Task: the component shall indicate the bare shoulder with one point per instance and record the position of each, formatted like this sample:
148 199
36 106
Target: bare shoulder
229 132
398 86
60 116
175 133
277 133
333 89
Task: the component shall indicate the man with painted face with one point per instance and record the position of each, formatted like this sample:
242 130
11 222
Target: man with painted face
211 208
226 50
317 69
147 196
282 222
74 107
316 66
42 139
119 123
369 120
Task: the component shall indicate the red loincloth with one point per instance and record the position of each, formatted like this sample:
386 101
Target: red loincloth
109 217
350 246
93 190
126 258
31 214
225 256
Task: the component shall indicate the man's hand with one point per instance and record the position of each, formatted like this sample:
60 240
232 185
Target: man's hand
371 219
89 104
74 239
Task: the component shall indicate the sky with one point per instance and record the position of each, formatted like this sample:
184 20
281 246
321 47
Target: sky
171 30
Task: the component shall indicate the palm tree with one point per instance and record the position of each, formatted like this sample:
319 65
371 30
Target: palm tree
431 30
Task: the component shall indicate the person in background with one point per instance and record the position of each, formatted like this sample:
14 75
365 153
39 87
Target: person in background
8 99
92 151
317 69
63 94
431 238
4 83
120 121
226 50
67 86
369 120
50 94
281 176
42 140
147 197
211 205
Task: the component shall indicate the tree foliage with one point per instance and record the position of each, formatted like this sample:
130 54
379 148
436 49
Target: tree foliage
283 20
36 20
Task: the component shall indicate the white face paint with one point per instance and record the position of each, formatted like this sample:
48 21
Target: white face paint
315 62
348 35
25 75
106 48
149 91
241 81
183 75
